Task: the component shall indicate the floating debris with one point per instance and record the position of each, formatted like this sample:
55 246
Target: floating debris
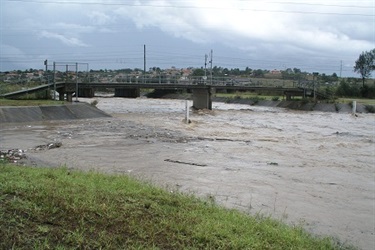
273 163
186 163
48 146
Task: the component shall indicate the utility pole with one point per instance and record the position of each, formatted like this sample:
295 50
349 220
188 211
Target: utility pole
211 55
66 72
54 81
340 68
205 68
315 77
144 63
76 82
46 72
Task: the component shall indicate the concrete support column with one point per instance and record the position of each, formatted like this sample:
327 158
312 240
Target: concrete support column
61 95
202 98
126 92
69 96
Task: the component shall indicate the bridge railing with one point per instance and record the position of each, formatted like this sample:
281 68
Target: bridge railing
214 81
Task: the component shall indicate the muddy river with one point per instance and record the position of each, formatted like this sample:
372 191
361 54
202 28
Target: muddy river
313 169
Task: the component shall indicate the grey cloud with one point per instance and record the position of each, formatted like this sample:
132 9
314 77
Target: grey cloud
72 41
278 33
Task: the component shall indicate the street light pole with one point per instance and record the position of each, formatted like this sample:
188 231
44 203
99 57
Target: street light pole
54 81
76 82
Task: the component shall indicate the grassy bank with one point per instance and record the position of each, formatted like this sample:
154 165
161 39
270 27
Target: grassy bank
358 100
43 208
256 96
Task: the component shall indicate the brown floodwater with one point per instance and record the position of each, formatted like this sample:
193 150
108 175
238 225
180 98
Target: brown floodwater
313 169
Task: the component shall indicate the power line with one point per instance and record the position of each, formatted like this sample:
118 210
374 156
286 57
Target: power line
208 7
321 5
181 1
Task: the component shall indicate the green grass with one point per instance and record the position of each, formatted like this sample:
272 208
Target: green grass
45 208
252 95
28 102
358 100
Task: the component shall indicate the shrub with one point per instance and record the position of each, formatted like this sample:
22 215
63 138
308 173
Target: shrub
348 89
94 103
370 108
305 100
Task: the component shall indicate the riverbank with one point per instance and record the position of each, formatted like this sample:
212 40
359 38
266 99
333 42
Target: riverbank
48 208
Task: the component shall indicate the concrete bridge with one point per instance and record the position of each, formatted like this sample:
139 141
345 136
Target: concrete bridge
202 92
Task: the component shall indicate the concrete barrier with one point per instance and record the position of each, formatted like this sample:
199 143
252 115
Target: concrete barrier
45 113
20 114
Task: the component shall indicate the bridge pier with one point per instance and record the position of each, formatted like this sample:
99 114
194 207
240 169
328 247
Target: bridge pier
61 95
69 97
127 92
202 98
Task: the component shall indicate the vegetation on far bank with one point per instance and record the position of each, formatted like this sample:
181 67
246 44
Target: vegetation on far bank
46 208
258 97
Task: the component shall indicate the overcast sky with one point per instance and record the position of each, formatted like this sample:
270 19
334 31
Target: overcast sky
313 35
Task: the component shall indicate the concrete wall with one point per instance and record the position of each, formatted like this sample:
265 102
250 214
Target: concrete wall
44 113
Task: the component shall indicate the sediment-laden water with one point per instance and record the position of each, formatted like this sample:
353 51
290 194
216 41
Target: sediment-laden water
313 169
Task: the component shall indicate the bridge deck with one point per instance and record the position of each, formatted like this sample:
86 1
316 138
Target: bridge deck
185 86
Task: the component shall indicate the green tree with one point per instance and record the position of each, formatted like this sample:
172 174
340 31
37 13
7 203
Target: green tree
348 89
198 72
258 73
248 71
365 64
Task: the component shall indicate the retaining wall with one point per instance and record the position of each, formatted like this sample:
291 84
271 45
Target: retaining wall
10 114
